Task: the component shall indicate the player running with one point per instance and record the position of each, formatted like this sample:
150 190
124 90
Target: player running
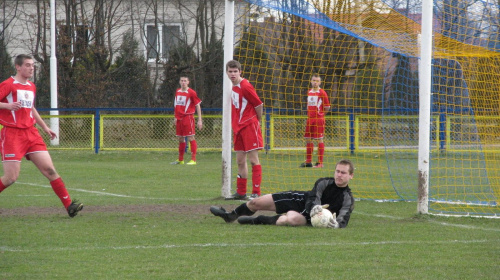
295 208
20 137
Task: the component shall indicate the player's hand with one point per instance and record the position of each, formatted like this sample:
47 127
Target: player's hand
200 124
318 208
333 222
51 133
14 106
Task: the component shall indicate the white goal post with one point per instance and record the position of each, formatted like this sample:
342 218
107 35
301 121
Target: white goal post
226 103
424 115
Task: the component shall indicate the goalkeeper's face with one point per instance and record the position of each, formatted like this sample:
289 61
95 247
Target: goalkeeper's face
342 175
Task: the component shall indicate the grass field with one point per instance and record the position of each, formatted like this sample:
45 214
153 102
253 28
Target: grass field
146 219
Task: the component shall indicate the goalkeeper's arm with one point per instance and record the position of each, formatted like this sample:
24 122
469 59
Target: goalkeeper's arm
344 214
314 196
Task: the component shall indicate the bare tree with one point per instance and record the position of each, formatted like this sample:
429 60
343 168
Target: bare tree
184 38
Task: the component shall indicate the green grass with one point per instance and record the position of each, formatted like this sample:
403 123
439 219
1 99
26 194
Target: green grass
146 219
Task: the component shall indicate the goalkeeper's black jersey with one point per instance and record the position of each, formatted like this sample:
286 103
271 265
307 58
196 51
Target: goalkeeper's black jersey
340 200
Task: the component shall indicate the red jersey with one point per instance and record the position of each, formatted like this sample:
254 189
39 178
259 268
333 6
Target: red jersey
185 102
244 100
316 103
13 91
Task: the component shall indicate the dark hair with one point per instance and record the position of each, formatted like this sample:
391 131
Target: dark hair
19 60
315 75
347 162
184 76
233 64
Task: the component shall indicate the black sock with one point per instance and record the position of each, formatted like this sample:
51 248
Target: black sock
243 210
266 220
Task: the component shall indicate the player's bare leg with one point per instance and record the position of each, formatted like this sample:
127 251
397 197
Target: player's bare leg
241 160
43 162
264 202
249 208
11 171
291 218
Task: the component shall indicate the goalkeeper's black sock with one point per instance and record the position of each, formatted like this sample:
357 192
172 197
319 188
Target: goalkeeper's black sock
243 210
266 220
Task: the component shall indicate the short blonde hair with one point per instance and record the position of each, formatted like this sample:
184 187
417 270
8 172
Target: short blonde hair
346 162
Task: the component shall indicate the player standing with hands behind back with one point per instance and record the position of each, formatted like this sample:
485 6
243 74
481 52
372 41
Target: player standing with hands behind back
186 102
20 137
245 119
317 104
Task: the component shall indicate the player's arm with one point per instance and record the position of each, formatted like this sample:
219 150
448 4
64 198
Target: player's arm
251 95
14 106
174 121
345 212
198 111
41 123
326 102
314 196
259 110
4 91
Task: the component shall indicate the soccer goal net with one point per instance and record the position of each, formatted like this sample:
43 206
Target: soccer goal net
367 54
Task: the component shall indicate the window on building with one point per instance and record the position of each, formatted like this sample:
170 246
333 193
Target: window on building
161 39
152 41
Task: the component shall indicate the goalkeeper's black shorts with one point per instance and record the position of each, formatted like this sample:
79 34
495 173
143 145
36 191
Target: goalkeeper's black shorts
290 201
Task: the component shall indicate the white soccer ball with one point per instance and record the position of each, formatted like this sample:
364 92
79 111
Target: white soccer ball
321 219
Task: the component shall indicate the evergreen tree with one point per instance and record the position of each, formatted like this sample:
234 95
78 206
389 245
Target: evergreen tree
131 86
7 68
181 62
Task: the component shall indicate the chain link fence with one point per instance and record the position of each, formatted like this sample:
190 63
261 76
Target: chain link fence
153 129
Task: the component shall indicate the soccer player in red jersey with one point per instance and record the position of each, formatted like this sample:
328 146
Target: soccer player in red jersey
317 105
185 104
246 115
20 137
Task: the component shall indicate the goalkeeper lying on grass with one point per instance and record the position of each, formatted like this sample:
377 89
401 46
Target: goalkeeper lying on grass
295 208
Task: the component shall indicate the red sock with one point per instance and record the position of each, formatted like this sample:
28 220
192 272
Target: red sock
194 146
61 191
2 186
321 152
241 186
256 178
309 151
182 148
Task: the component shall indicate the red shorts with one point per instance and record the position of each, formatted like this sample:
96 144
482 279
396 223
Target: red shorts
20 142
185 126
315 128
249 138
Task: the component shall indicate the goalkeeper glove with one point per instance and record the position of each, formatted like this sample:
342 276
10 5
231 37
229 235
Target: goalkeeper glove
317 208
333 222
